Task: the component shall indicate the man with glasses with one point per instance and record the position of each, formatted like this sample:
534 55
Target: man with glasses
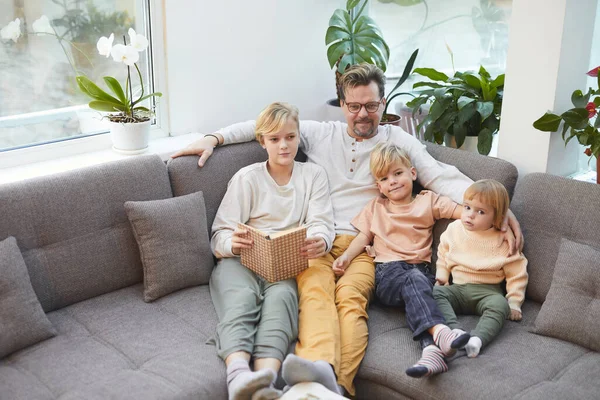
333 332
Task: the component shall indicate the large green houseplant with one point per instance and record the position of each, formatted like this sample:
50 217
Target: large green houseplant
466 104
354 38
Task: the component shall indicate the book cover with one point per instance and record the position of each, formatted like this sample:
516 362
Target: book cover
275 257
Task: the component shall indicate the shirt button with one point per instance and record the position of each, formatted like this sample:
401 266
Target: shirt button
353 160
353 143
353 150
351 170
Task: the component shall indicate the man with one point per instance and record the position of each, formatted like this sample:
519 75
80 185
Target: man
333 330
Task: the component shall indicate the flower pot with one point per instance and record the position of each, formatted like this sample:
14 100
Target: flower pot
130 137
333 111
470 143
390 119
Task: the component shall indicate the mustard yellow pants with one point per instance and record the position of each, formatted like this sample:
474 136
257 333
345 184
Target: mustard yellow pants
333 312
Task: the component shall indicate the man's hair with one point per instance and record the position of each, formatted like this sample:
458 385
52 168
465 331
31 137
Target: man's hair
493 194
384 155
272 119
362 75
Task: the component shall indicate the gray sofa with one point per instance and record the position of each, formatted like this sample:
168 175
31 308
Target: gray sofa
86 271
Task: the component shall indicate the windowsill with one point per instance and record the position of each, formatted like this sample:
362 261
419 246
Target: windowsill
164 147
588 176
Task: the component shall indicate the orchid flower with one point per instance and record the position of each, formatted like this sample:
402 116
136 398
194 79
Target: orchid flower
139 42
104 45
12 31
125 54
42 25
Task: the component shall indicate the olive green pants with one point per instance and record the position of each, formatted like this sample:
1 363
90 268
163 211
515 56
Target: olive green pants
475 299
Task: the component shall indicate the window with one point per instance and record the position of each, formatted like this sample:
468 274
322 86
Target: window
39 98
476 31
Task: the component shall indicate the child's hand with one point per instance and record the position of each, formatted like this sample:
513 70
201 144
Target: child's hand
515 315
370 251
441 282
314 247
240 241
340 264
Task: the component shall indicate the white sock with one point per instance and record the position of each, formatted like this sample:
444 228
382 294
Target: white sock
242 383
473 347
296 369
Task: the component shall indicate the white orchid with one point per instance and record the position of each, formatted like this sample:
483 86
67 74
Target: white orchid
104 45
137 41
12 31
42 25
125 54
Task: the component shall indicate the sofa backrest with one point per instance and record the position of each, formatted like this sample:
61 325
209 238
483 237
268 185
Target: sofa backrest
73 231
550 208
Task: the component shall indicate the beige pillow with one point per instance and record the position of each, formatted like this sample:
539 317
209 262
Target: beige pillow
22 320
572 308
173 240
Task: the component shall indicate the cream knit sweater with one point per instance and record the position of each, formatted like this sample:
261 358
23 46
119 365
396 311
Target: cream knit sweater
481 257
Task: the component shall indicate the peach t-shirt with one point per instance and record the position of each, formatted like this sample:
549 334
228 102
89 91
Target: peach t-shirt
404 232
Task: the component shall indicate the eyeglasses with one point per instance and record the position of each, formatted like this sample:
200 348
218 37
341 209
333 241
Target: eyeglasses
371 107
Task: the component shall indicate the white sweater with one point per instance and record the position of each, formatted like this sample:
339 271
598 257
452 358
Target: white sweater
254 198
346 162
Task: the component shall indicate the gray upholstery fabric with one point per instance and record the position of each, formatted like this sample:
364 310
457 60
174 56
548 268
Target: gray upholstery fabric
549 209
186 177
517 364
173 241
115 346
572 308
72 229
22 320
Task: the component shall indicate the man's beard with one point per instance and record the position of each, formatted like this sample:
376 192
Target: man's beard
369 133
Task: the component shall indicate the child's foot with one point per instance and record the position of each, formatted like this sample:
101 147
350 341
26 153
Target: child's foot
296 369
448 340
242 383
473 347
267 393
431 363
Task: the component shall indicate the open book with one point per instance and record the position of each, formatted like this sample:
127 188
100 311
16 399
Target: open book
275 257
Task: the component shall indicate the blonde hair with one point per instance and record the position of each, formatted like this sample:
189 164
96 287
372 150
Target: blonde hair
272 119
384 155
362 75
493 194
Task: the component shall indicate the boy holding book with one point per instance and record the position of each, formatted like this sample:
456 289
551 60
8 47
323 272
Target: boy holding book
258 320
400 229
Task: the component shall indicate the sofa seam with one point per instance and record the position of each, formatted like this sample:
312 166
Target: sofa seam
27 372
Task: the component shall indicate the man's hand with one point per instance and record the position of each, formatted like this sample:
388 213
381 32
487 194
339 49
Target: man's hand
314 247
514 236
201 147
515 315
340 264
240 241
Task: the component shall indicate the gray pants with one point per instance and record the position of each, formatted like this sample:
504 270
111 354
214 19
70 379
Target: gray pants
255 316
479 299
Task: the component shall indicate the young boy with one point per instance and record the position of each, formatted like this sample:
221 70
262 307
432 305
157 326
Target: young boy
399 227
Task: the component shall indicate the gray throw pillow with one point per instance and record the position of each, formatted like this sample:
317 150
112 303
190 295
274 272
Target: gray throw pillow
173 240
572 308
22 320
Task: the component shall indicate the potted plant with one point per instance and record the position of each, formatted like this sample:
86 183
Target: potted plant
353 38
394 119
130 121
466 105
581 121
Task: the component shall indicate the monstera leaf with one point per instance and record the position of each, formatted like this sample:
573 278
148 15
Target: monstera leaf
354 40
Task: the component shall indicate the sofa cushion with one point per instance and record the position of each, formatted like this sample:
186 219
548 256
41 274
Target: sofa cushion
173 241
23 321
116 346
572 308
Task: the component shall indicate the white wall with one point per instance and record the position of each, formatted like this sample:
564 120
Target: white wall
228 59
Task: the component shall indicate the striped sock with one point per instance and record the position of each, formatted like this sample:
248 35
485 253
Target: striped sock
431 363
448 340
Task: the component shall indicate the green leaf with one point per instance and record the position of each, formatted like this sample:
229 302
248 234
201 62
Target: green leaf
579 99
463 101
576 117
498 82
484 142
564 130
483 72
484 108
549 122
155 94
406 73
350 4
466 113
416 103
571 136
460 133
92 90
472 81
431 74
439 107
115 86
427 84
428 134
107 106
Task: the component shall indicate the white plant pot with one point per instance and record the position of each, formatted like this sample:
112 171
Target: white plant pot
333 112
131 137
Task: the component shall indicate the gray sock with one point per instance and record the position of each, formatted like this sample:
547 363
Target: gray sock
296 369
242 383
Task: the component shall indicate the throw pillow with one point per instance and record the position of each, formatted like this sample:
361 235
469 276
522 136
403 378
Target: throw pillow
173 240
572 308
22 320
